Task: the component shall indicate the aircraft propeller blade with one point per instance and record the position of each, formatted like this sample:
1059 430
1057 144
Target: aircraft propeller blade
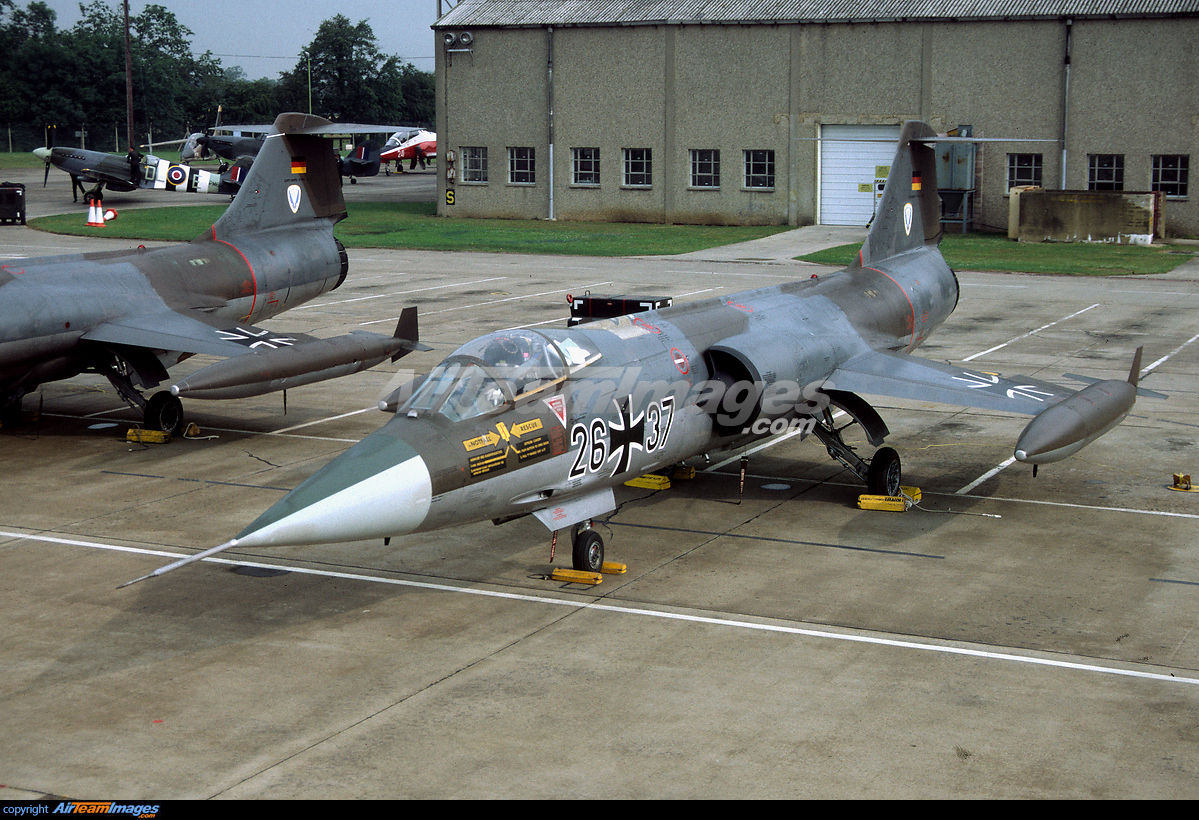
50 140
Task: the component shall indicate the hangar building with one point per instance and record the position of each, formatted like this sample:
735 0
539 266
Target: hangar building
785 111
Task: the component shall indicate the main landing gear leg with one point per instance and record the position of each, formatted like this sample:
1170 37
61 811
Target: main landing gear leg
162 411
588 548
883 475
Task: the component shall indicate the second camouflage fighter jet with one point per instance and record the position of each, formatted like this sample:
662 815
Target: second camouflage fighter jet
546 423
132 315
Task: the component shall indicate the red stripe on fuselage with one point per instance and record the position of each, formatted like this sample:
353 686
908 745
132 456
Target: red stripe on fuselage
253 277
911 307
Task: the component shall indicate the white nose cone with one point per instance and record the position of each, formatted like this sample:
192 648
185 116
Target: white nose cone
393 501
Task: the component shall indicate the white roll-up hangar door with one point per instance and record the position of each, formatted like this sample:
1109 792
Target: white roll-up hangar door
852 158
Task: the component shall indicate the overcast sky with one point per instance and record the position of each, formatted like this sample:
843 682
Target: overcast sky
264 37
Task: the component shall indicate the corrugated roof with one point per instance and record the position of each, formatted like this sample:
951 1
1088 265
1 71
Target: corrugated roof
650 12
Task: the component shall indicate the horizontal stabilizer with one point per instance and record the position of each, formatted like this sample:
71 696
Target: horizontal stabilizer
308 124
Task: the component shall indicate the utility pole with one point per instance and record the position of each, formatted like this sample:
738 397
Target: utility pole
128 83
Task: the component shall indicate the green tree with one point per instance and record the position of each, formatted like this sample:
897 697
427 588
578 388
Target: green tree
76 78
39 70
349 78
417 88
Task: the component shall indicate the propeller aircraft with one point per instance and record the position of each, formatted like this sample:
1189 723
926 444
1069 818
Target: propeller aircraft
129 172
132 315
547 422
134 170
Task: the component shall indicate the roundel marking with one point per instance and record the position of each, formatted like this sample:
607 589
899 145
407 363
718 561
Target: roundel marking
680 360
176 175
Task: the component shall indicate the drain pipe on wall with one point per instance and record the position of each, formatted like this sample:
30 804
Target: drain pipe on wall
549 83
1066 99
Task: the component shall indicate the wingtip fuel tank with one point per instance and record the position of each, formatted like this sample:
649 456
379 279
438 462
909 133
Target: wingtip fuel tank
1062 429
282 364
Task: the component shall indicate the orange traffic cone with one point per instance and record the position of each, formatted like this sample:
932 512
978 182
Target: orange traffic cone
95 216
110 214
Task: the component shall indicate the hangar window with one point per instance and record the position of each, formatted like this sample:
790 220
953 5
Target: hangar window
1170 174
474 163
522 166
1105 172
759 170
705 168
638 168
585 166
1023 170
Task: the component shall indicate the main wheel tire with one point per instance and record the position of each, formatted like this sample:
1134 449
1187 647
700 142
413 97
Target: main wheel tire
588 551
885 474
164 412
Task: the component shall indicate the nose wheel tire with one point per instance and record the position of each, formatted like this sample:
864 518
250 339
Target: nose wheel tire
885 475
588 551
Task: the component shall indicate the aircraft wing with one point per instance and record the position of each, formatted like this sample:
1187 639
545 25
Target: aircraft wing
110 179
278 361
254 128
902 376
327 129
169 330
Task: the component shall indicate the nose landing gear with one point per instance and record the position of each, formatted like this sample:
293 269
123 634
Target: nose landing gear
588 553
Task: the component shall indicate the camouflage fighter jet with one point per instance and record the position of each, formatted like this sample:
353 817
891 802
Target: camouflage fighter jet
131 315
546 423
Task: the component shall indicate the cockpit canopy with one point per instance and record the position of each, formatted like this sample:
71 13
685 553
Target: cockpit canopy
496 371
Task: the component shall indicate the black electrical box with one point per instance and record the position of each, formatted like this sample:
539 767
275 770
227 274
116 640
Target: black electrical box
12 203
590 307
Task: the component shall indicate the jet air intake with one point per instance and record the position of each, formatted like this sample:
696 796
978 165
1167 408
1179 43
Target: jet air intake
763 376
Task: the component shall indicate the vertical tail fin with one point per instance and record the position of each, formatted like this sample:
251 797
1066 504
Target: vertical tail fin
294 180
909 213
